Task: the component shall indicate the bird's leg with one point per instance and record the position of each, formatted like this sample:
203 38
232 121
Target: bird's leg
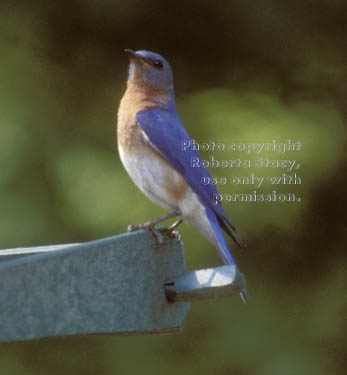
152 223
175 224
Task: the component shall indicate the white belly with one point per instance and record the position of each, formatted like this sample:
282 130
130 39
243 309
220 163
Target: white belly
152 176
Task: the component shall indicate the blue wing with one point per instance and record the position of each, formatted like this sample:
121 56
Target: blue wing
166 132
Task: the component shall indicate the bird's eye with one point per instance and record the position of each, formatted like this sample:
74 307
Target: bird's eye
158 64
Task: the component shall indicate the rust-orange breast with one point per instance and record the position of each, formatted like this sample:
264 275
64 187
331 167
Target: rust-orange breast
135 99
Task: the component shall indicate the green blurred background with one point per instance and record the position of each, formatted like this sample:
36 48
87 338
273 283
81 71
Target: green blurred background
244 71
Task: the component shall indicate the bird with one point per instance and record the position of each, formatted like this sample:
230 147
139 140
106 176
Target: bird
150 135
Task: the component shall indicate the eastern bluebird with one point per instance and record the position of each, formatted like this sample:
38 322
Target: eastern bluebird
150 138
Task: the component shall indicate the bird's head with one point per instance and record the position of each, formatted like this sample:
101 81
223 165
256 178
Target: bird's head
150 69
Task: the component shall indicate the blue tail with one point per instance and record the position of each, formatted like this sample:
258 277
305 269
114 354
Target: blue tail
222 245
223 249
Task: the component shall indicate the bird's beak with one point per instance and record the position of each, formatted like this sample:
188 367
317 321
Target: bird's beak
131 54
136 58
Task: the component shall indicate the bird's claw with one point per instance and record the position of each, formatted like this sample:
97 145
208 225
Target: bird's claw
172 233
159 238
156 234
177 234
150 225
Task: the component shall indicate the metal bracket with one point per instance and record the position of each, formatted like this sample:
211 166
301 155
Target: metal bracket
118 285
210 283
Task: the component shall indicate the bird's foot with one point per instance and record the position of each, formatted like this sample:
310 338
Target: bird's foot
159 238
152 223
172 230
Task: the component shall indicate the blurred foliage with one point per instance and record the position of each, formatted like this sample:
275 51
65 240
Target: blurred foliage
247 71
